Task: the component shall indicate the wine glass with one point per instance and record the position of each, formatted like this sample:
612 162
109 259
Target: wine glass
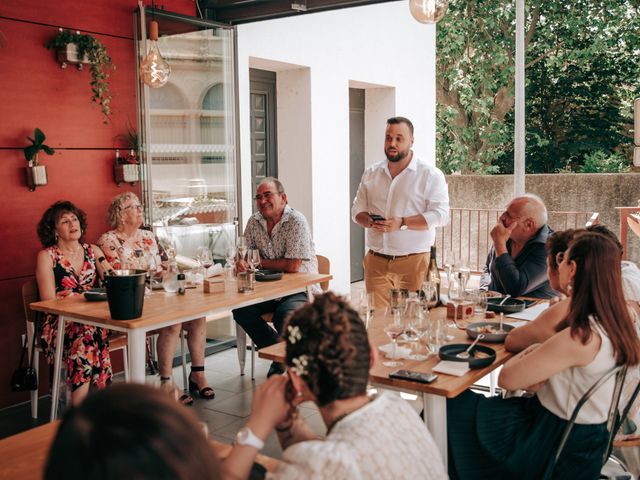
479 303
148 262
204 258
253 258
456 297
465 273
430 295
394 329
366 308
450 263
416 326
243 246
398 299
230 254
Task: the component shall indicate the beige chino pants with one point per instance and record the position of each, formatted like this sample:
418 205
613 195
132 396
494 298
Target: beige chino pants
382 274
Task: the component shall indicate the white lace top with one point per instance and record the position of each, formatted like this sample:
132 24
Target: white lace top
562 392
384 439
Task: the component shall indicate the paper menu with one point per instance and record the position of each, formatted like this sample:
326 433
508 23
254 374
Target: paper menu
530 313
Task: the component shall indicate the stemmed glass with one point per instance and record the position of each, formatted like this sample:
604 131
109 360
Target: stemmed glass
450 263
243 246
465 273
205 259
456 297
149 263
416 326
430 295
398 299
230 255
253 258
366 308
394 329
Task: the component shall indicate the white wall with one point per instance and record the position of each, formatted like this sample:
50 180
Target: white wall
318 57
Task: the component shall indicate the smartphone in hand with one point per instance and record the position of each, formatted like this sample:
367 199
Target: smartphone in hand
376 218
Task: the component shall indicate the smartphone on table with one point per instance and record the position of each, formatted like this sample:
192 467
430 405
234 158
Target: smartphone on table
419 377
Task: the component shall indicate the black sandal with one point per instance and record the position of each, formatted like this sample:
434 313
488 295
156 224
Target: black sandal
185 399
206 392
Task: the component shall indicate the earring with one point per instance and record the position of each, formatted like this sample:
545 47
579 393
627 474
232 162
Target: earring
569 288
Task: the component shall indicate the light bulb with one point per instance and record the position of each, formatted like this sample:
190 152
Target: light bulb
428 11
154 70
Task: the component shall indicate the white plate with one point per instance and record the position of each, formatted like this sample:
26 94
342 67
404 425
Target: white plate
401 352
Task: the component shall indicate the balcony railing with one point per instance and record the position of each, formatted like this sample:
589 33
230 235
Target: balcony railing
467 235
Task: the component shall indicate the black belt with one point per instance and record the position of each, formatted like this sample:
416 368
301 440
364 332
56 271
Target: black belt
394 257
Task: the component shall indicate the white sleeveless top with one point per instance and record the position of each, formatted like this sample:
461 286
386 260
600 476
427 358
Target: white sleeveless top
561 393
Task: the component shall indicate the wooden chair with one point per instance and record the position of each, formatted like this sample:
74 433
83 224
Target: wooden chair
29 295
324 267
615 417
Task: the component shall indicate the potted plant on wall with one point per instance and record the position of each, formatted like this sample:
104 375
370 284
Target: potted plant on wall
79 48
126 168
36 173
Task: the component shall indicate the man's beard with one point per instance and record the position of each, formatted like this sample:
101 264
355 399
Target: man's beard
397 157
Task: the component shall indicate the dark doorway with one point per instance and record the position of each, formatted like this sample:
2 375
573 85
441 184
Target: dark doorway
356 155
264 151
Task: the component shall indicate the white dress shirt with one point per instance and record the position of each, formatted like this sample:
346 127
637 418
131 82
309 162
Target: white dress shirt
419 189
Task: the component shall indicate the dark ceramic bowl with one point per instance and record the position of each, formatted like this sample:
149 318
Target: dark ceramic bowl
268 275
510 305
96 294
450 352
489 330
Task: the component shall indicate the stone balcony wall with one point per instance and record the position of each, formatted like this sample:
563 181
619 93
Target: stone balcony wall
561 192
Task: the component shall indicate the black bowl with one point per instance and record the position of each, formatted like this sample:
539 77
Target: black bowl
449 352
510 305
475 329
96 295
268 275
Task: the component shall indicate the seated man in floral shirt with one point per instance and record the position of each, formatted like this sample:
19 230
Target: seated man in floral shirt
283 237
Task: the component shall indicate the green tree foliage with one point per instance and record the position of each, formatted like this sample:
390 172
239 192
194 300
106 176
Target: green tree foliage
582 70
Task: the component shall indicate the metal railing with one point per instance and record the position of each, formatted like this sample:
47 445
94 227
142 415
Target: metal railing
467 234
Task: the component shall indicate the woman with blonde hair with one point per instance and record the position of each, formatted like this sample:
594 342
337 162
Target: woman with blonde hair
120 247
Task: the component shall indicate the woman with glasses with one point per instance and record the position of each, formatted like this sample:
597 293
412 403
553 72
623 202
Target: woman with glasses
67 266
517 437
125 247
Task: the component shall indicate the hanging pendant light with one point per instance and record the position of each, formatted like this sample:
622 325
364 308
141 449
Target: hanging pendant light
428 11
154 70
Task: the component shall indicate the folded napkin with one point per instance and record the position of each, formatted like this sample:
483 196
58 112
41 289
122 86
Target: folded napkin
215 269
456 369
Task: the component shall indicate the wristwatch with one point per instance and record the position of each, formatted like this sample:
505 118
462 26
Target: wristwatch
245 436
403 226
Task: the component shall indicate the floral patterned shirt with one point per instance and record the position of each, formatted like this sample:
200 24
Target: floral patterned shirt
120 249
290 238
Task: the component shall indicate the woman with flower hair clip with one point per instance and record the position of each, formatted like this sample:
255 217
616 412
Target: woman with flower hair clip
328 357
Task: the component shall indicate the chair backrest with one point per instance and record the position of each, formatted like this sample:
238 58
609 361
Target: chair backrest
324 266
613 420
29 295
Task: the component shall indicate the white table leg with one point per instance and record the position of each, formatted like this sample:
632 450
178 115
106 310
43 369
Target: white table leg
492 383
55 388
137 352
435 416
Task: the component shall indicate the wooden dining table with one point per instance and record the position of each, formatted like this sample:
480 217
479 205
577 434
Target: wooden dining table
162 310
434 395
23 456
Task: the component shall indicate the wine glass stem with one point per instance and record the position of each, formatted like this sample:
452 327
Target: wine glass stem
393 350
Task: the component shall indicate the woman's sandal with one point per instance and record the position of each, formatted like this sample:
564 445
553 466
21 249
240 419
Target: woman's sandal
206 392
184 399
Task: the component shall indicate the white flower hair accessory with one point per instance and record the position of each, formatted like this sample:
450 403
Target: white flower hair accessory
300 365
294 334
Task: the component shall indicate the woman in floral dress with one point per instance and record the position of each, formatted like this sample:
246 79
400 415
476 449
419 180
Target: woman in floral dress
66 267
130 246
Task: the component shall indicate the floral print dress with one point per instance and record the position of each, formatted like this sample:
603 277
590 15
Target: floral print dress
86 348
129 252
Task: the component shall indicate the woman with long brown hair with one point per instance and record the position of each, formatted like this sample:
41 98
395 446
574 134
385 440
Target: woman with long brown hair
516 437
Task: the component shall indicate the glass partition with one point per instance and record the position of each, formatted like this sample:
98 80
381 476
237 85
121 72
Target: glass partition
188 134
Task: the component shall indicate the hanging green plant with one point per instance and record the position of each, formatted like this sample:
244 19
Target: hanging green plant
99 61
37 145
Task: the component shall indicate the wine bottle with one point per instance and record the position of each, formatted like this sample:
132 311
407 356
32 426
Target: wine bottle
433 275
106 265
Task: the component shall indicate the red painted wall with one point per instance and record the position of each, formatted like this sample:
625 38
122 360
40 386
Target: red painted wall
36 92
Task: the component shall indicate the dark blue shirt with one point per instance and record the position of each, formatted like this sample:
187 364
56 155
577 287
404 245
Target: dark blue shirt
525 275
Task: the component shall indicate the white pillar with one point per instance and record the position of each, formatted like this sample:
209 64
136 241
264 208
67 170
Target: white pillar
519 141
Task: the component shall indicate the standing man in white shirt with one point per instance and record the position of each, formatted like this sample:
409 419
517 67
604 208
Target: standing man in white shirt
400 202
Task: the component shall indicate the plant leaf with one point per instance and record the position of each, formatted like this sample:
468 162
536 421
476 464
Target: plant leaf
48 150
39 136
